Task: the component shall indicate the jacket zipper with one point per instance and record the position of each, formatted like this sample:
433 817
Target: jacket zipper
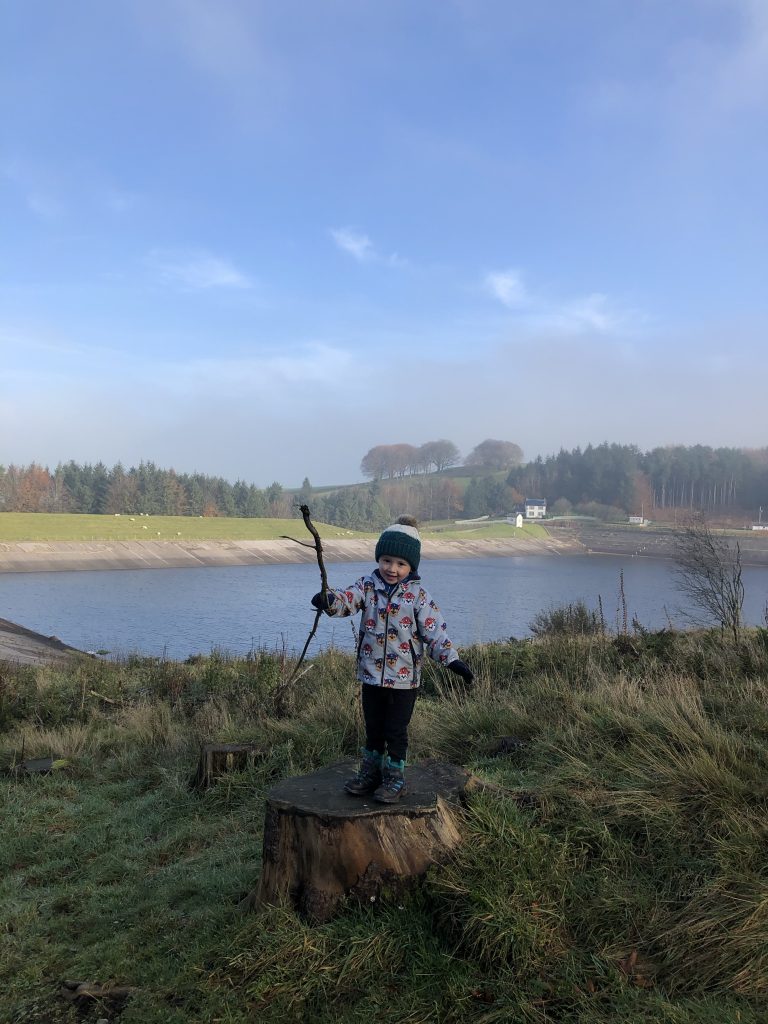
386 638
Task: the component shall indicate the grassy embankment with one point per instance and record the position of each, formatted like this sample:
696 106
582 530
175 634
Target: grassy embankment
45 527
632 886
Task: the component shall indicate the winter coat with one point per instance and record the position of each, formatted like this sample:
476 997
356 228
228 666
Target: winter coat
397 623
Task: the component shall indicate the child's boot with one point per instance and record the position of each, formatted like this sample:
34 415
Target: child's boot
368 774
392 783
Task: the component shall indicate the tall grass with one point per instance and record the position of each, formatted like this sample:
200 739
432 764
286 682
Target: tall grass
615 871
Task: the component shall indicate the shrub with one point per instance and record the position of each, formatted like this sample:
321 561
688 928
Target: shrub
574 619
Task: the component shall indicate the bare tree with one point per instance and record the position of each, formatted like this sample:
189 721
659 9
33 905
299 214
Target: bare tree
708 572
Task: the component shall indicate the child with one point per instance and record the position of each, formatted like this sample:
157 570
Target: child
399 620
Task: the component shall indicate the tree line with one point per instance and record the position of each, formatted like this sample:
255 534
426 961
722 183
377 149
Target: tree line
143 489
388 461
621 476
607 480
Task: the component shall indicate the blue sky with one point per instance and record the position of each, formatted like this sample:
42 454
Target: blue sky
255 239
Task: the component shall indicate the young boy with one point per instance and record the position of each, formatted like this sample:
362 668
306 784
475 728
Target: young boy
399 620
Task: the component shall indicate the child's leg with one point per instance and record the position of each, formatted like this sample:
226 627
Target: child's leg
398 713
368 776
375 706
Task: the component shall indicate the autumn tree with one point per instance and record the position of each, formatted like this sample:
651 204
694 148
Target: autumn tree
495 455
440 454
375 462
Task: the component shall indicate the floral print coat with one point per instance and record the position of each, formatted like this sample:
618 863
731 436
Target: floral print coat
398 623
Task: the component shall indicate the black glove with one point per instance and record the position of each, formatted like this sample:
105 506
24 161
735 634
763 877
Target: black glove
462 669
323 600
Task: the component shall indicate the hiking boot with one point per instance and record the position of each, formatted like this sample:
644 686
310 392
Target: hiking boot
368 775
392 782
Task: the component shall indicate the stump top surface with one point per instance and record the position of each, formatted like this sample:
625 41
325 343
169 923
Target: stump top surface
322 793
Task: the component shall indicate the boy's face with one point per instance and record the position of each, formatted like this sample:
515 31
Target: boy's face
392 569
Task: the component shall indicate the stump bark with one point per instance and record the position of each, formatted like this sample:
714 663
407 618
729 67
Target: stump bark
322 845
217 759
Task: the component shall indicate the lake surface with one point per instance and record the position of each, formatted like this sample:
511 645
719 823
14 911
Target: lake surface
178 612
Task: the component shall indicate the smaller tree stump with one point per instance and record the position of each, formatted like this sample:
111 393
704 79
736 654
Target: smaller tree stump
217 759
322 845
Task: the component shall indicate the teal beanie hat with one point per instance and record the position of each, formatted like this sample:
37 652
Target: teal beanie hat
401 540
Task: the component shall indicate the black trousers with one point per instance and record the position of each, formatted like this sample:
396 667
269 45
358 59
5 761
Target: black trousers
387 713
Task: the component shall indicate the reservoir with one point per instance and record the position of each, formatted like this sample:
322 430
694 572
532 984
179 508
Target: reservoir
179 612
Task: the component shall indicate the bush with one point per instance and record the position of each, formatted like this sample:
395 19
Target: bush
573 619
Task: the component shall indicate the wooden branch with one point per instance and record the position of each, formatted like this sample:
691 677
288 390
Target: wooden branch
304 509
304 543
282 690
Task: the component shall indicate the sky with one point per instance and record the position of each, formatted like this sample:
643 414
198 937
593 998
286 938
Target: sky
255 238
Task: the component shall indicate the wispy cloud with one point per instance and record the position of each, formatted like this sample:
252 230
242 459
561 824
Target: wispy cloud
358 245
314 366
594 313
507 286
353 242
197 270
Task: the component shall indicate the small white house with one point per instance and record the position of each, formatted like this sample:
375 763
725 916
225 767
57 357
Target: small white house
535 508
638 521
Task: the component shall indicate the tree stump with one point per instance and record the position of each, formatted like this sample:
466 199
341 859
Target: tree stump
322 845
217 759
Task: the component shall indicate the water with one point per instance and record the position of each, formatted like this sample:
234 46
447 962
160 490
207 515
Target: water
178 612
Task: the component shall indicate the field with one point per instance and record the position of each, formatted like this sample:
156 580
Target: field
44 526
629 886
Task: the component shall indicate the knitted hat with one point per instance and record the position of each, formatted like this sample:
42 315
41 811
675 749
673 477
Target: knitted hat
401 540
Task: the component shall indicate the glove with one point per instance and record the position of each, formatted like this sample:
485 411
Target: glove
323 600
462 669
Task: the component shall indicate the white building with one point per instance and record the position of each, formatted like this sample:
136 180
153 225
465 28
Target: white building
535 508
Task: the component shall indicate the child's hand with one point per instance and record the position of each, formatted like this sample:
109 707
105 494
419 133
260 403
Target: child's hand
462 669
323 600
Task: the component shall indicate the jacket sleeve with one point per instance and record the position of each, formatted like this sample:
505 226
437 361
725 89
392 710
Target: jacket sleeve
433 630
347 602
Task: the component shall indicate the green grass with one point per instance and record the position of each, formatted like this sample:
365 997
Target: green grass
485 531
48 526
45 526
631 886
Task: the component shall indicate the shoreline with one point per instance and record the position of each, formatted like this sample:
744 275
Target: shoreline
24 646
102 556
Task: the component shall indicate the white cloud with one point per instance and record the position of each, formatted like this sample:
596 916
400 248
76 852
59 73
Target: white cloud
507 286
271 375
358 245
593 313
197 270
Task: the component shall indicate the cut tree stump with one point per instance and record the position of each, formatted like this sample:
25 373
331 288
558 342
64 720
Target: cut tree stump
217 759
322 845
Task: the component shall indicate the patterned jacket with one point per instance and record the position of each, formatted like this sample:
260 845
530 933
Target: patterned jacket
396 625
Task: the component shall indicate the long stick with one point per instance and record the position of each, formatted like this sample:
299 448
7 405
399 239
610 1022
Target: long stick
305 514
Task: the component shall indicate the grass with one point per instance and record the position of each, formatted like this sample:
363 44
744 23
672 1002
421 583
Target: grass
49 526
485 531
632 886
52 527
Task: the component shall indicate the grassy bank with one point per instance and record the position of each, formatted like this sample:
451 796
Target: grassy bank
51 526
16 527
630 886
